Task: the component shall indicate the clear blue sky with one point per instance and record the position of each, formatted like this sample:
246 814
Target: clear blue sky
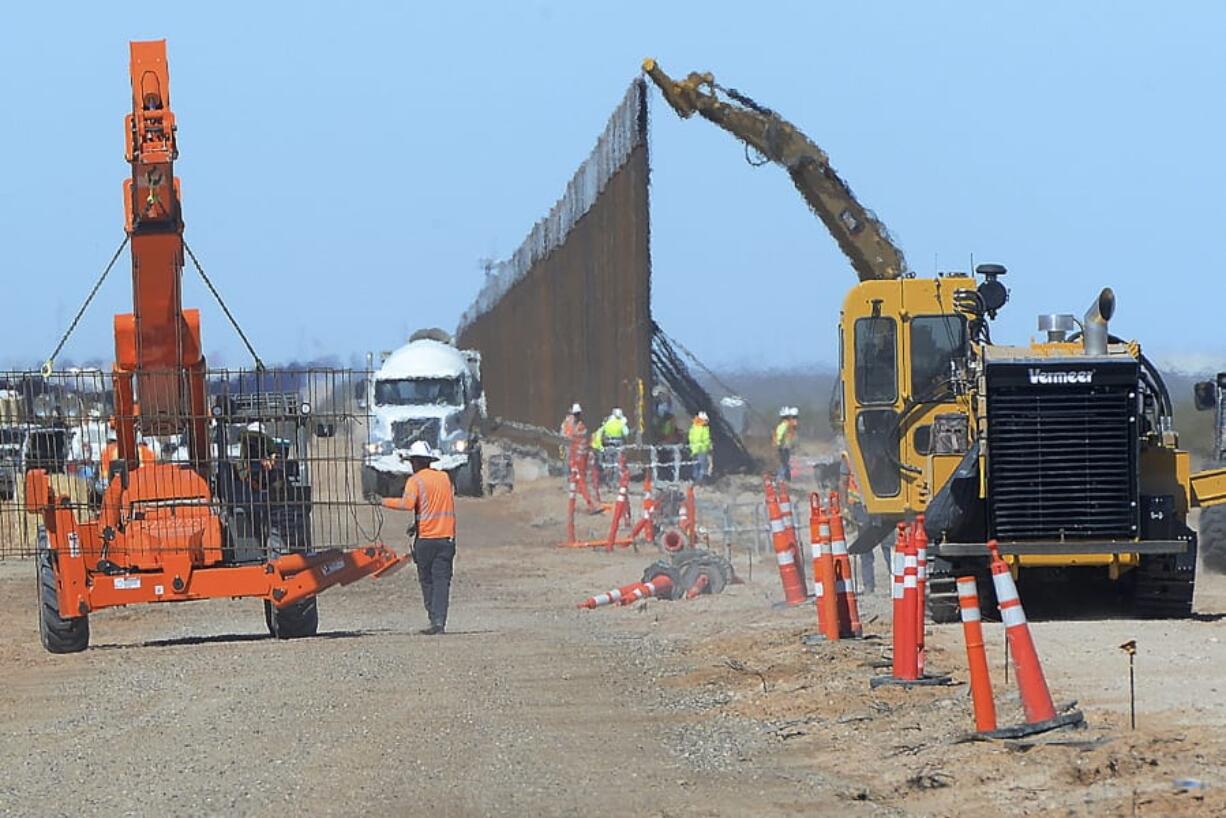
345 166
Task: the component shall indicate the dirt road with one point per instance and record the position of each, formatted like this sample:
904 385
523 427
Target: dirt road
530 707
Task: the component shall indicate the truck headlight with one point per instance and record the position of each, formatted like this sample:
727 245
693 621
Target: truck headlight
378 448
459 446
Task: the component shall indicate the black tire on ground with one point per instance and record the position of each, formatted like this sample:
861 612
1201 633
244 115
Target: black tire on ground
716 581
941 595
293 621
942 598
468 478
1212 539
1162 591
665 568
58 635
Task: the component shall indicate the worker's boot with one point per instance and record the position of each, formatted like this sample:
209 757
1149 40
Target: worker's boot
433 630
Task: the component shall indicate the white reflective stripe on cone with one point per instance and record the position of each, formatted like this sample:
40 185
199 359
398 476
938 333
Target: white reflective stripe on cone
776 526
824 531
909 561
967 588
815 550
1006 591
1013 616
970 613
839 548
818 590
896 590
785 508
909 581
785 557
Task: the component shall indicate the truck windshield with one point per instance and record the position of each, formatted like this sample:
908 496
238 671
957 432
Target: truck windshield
411 391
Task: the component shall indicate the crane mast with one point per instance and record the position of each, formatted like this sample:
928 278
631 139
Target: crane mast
862 238
159 368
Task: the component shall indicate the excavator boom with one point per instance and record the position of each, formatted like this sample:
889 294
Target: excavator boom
862 238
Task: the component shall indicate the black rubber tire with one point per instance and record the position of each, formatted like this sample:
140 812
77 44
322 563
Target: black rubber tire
942 597
58 635
468 479
294 621
664 568
1212 539
716 582
1161 591
941 594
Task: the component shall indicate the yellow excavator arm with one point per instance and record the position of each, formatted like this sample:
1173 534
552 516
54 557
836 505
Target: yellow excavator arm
862 238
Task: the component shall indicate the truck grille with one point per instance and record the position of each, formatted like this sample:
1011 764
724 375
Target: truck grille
1062 456
404 432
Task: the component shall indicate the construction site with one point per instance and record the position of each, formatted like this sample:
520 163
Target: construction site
962 571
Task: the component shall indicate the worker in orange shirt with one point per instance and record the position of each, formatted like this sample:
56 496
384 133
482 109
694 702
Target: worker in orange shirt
428 493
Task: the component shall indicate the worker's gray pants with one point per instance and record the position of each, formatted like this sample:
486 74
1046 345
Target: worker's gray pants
434 558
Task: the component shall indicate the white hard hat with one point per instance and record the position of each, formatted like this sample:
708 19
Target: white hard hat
421 448
255 426
575 409
795 412
784 411
617 413
703 416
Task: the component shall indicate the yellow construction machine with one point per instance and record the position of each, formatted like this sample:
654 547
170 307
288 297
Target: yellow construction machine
1062 450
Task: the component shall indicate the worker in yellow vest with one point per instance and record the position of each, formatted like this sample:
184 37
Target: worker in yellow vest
700 446
785 438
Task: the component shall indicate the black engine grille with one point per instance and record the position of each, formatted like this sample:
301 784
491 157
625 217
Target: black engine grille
1062 457
404 432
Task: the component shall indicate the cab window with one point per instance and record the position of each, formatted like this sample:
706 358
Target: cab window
936 341
876 360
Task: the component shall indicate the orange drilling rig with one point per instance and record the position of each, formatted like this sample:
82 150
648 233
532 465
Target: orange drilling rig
224 507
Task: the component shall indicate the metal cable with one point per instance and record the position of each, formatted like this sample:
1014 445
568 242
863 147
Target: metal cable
259 364
49 364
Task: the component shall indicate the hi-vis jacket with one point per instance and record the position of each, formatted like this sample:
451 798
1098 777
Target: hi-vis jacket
428 492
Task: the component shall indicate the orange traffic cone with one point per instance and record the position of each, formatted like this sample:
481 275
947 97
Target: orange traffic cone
789 518
608 597
570 506
683 520
660 586
673 541
849 607
691 509
785 554
921 587
824 581
905 670
620 509
1041 714
646 526
976 656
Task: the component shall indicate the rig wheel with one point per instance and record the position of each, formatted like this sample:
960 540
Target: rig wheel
1163 590
294 621
58 635
1211 537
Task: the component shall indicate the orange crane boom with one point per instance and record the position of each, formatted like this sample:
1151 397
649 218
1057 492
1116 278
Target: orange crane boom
161 530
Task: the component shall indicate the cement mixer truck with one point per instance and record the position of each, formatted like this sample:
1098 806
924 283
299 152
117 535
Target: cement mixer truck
426 390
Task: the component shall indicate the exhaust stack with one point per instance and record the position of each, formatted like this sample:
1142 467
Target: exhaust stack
1094 327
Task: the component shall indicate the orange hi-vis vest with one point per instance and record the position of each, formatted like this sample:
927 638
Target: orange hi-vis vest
428 492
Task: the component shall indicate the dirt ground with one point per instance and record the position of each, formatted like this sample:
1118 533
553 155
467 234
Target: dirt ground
529 706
